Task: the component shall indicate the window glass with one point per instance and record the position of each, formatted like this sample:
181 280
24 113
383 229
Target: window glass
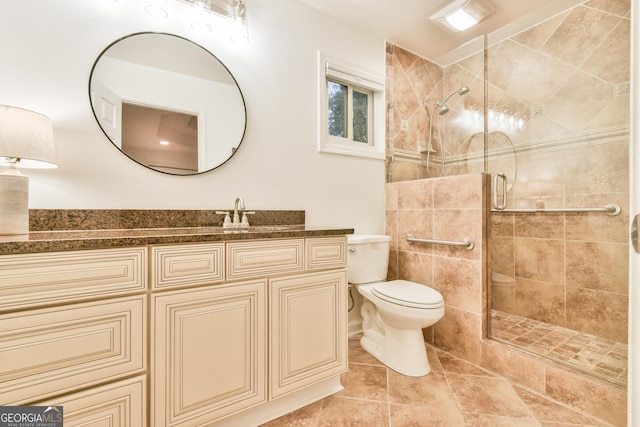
337 109
351 109
360 117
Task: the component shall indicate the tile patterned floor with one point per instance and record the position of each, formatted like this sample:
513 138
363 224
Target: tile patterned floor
601 357
455 394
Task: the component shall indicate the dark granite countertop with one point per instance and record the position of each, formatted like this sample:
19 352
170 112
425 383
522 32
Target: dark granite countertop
66 240
67 230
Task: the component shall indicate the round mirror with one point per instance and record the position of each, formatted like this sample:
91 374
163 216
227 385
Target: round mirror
167 103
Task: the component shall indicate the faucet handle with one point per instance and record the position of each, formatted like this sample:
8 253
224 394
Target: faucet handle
227 218
245 220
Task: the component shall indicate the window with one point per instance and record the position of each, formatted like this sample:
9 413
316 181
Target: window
351 100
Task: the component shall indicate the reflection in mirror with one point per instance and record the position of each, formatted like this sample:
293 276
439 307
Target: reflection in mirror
167 103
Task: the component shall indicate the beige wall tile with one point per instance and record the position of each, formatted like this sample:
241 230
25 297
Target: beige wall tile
539 225
416 222
502 224
599 313
391 227
415 194
536 36
596 226
540 301
460 333
579 34
597 399
503 256
462 191
610 61
540 260
524 369
601 169
460 283
618 7
415 267
456 225
391 196
601 266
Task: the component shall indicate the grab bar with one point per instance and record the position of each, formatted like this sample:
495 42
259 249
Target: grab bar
467 242
611 209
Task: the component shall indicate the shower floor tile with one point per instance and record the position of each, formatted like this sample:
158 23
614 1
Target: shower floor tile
601 357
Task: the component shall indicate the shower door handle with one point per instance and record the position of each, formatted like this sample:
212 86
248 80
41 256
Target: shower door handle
504 191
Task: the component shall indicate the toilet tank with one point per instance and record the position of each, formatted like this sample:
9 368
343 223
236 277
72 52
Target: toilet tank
368 257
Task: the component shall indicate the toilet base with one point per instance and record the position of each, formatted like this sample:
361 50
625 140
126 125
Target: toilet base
402 350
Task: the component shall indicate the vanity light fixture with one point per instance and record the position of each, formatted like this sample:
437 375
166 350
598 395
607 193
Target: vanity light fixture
231 10
239 18
156 8
460 15
26 141
201 17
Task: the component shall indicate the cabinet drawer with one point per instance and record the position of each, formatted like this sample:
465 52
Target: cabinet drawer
59 350
30 280
184 265
326 252
121 404
263 258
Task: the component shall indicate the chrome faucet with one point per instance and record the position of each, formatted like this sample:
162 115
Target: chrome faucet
239 208
239 205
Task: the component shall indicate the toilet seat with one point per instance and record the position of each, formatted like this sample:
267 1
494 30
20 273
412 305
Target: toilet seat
409 294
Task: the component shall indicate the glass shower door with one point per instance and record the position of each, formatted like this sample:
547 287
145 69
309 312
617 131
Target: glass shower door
558 133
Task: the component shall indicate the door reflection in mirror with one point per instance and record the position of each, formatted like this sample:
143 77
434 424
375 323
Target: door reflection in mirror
164 140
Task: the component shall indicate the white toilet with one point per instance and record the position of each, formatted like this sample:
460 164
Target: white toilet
394 312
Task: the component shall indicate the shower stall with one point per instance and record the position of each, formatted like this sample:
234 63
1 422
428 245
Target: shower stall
558 265
544 111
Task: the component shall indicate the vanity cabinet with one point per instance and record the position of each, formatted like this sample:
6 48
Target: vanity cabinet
276 325
212 333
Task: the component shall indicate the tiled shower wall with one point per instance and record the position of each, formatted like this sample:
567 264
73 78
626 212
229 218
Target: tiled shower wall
559 129
452 208
567 77
413 86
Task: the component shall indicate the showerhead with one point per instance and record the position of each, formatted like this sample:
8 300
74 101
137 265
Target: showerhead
442 106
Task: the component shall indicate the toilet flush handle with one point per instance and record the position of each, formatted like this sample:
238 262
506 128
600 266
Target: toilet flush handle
352 250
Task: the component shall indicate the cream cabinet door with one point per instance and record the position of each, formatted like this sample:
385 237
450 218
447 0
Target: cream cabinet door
118 404
208 353
308 329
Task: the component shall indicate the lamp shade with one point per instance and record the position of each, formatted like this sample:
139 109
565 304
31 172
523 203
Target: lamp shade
26 139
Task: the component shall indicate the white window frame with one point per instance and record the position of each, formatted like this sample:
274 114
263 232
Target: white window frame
354 77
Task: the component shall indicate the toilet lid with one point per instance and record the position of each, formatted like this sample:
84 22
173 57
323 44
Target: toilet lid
409 294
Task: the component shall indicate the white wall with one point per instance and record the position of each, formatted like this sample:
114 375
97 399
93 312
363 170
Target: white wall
46 56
